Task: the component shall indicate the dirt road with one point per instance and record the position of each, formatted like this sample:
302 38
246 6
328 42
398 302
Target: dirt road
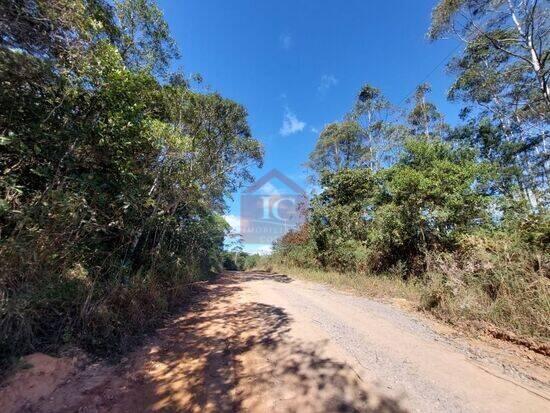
263 342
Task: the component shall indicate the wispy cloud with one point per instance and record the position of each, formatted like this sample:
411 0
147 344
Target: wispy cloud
262 249
327 81
269 189
285 40
291 124
265 250
314 130
234 222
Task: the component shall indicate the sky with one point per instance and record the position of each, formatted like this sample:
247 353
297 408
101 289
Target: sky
297 65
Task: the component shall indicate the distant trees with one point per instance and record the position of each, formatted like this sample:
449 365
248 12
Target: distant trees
381 135
339 146
368 136
424 119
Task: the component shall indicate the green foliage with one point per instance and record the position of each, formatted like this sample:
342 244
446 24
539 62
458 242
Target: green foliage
423 202
365 138
237 261
380 136
113 183
502 77
339 147
144 36
296 248
439 191
424 118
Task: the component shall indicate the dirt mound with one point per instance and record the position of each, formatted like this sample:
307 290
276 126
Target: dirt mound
38 377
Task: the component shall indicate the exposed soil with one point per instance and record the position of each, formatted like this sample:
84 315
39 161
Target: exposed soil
262 342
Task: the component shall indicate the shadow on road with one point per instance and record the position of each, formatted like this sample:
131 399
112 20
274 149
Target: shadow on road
197 363
223 355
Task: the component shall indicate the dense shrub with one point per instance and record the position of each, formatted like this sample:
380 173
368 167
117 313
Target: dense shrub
492 277
110 199
239 261
296 248
366 221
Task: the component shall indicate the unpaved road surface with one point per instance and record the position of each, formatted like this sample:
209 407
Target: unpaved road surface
261 342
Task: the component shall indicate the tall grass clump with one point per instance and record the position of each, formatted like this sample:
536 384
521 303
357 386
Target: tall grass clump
492 278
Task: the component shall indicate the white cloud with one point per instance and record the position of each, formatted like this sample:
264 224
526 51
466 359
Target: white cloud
262 249
291 124
265 250
285 40
314 130
327 81
235 222
269 189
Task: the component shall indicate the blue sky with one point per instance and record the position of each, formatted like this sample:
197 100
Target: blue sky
297 65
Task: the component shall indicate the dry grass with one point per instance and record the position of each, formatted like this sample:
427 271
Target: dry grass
492 280
49 304
379 286
490 283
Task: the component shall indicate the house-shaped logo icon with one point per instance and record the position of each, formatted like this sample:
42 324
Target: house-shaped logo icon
270 207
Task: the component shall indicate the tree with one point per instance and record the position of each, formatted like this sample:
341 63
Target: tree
54 29
515 30
504 72
340 146
436 193
113 182
381 137
491 145
425 202
144 39
337 217
424 118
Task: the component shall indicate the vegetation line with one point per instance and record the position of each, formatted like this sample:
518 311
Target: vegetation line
457 216
113 178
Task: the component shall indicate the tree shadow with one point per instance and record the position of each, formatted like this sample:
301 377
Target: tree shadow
201 362
225 355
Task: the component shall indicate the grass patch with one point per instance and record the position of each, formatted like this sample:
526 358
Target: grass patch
378 286
493 283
